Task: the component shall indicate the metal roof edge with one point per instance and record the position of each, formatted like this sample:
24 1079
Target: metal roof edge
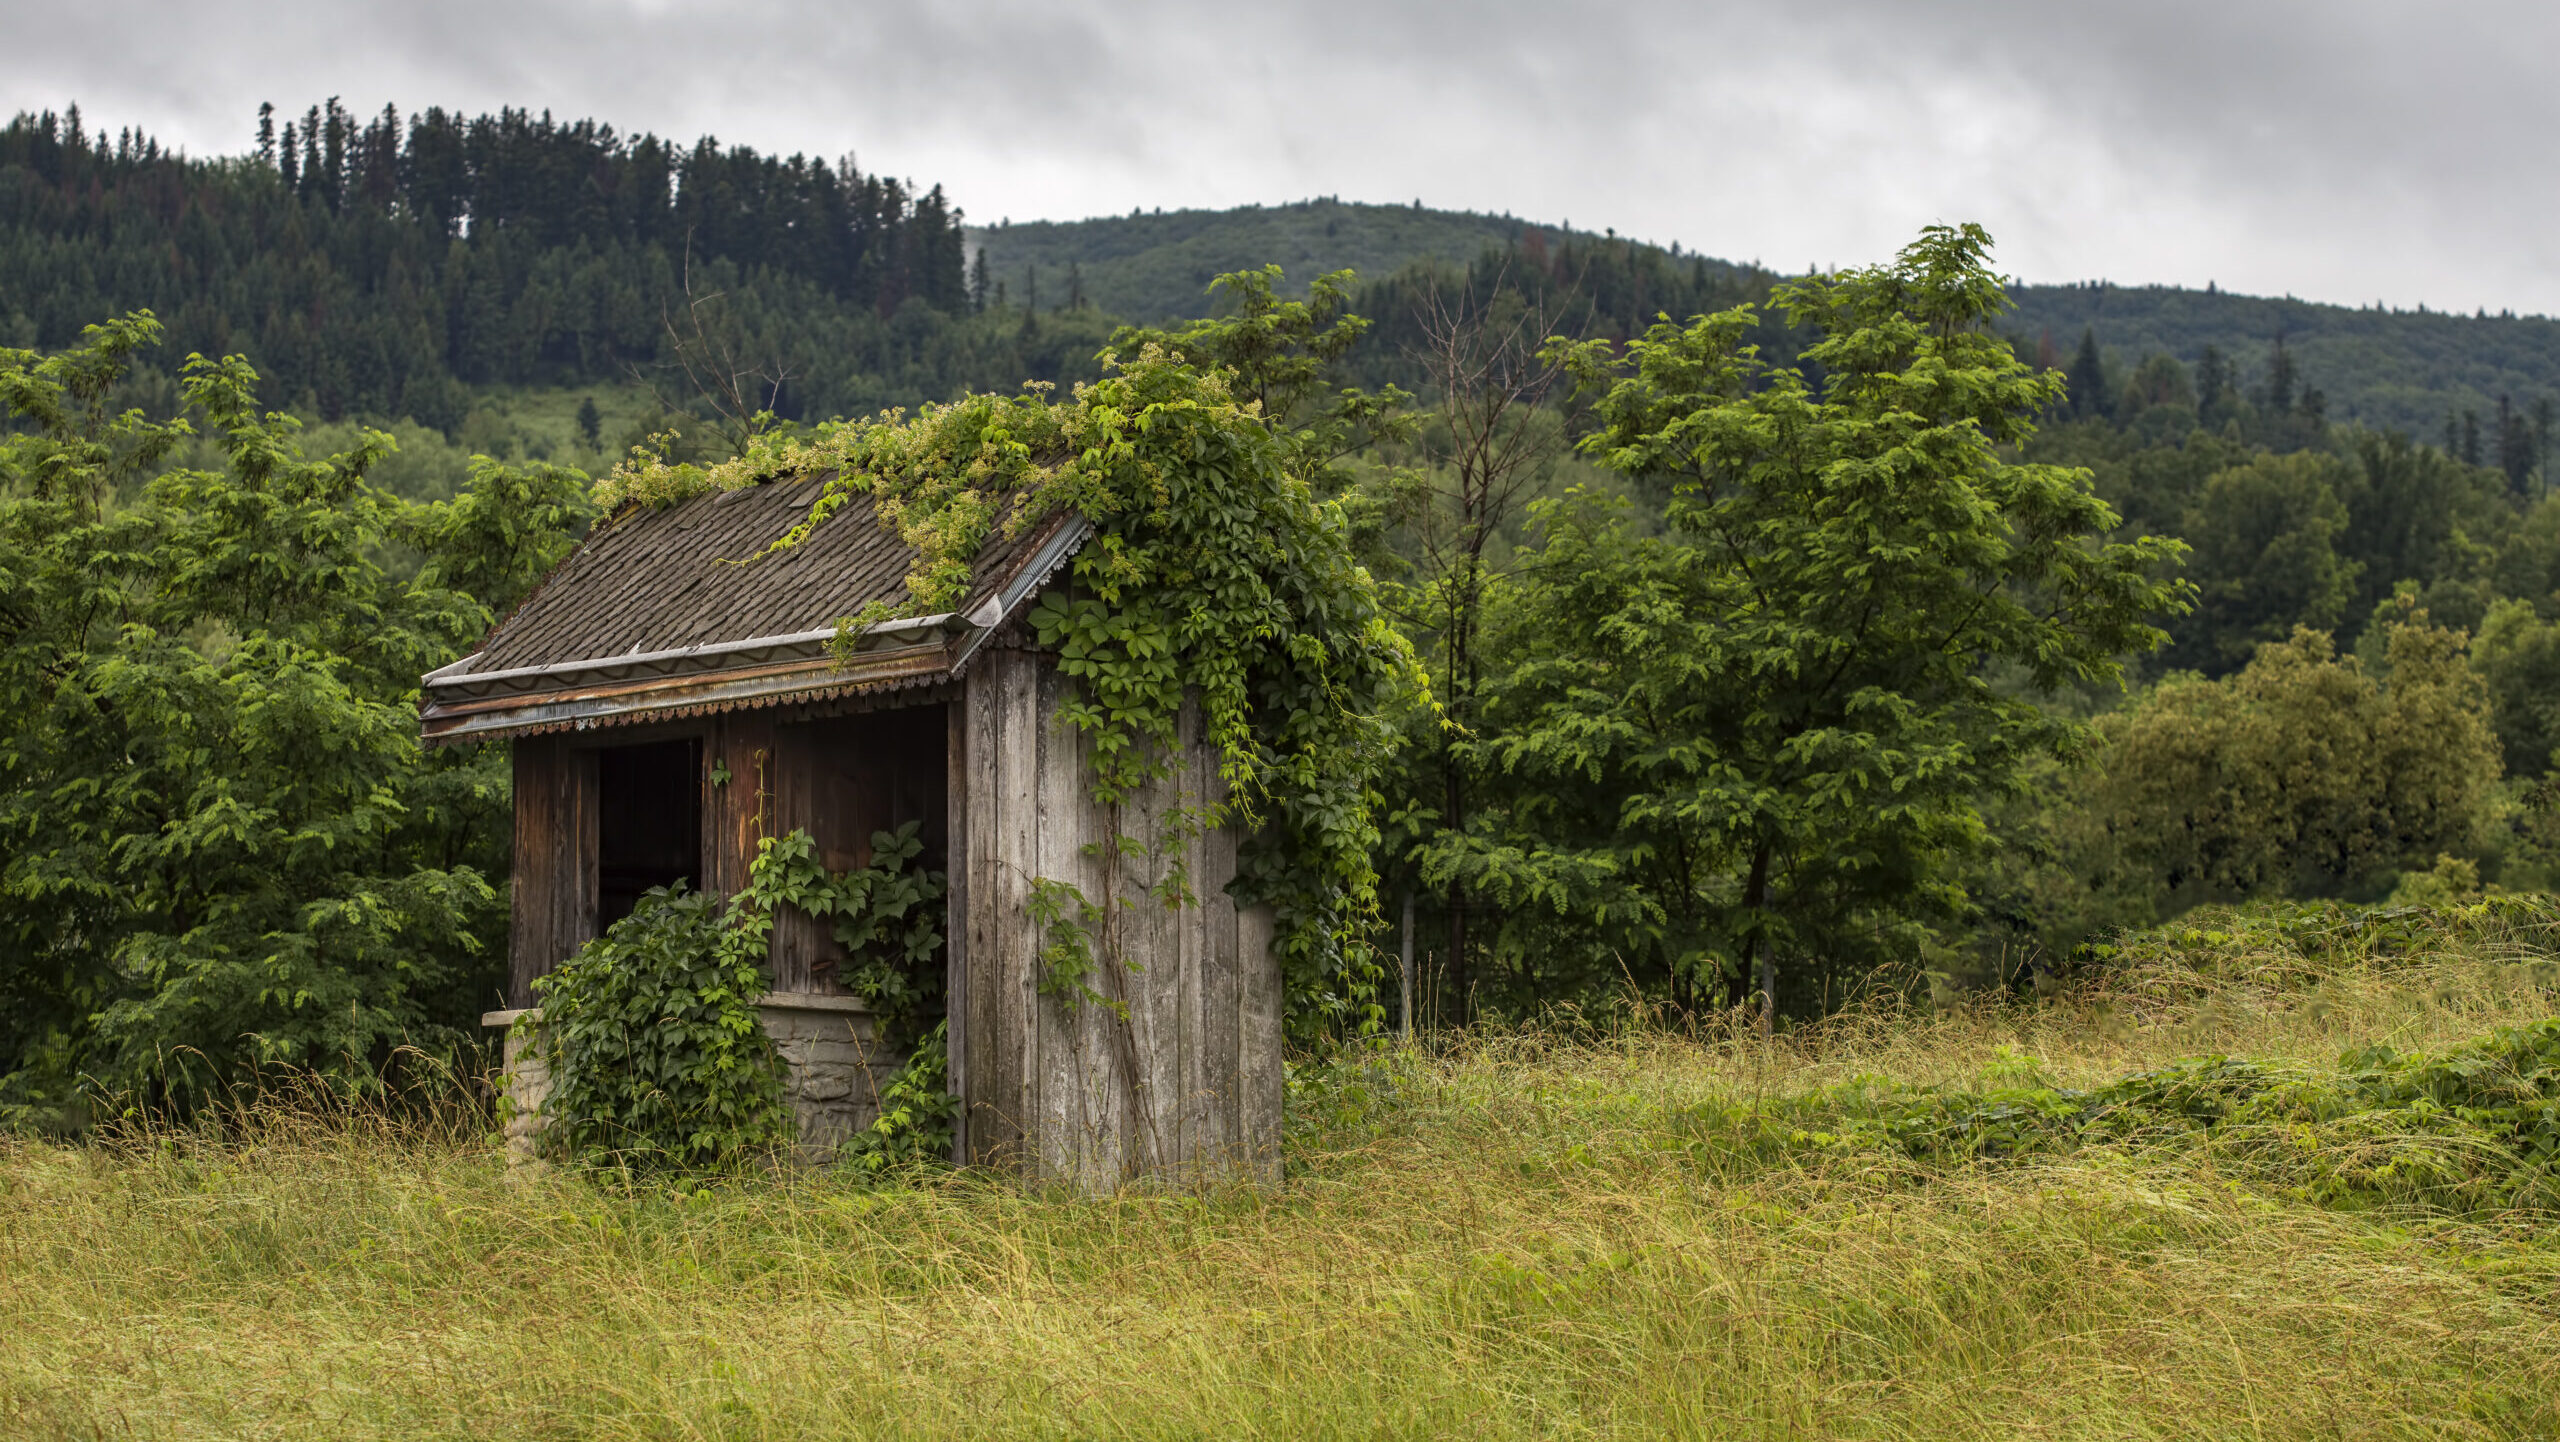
454 682
1053 554
811 679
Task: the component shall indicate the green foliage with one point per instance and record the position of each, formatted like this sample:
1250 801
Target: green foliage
2473 1128
409 260
1154 268
2265 539
2303 775
658 1058
2382 369
882 915
220 844
1069 922
1769 729
917 1113
1280 357
2518 656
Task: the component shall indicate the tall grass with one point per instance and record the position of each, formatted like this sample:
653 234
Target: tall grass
1575 1231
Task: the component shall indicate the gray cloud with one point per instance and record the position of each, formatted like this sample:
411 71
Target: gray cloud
2349 150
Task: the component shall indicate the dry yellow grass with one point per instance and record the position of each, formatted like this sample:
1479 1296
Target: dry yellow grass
1516 1238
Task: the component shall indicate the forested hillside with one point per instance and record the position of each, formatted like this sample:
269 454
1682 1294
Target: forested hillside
387 266
2393 370
404 265
2403 370
1157 266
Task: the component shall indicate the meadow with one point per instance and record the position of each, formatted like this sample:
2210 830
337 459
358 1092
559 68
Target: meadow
1622 1226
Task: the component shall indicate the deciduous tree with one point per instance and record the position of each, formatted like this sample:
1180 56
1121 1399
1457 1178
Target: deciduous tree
1769 733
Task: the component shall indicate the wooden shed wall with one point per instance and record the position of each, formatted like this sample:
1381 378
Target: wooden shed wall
825 775
1189 1085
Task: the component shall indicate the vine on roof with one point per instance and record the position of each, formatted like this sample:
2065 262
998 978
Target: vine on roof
1213 573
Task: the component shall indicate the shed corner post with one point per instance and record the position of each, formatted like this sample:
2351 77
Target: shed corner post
957 894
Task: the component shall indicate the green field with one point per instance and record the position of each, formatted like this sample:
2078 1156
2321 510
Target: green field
1638 1229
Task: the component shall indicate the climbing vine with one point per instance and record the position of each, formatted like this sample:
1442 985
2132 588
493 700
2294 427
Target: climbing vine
1214 573
882 914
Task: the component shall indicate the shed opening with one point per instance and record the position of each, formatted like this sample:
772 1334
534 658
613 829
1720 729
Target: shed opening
648 822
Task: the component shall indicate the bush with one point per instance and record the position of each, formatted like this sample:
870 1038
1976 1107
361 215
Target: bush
658 1058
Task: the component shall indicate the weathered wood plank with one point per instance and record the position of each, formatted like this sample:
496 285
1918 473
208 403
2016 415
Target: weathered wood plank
955 919
795 775
715 859
745 743
1078 1102
532 900
1222 988
1156 1031
582 836
1007 715
1261 1082
990 1127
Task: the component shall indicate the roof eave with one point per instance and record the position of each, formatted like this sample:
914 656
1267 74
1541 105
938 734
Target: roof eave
456 705
659 698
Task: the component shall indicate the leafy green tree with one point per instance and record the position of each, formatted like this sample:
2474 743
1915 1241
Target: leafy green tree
2091 394
1794 690
2266 539
2526 562
220 843
2417 515
2302 775
1491 441
1284 358
2518 657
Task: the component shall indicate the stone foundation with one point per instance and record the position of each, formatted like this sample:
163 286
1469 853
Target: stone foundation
832 1072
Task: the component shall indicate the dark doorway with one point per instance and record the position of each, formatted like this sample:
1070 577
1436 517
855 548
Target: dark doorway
648 823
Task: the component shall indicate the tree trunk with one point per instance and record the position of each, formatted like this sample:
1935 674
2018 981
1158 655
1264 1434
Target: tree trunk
1755 895
1405 950
1460 996
1461 984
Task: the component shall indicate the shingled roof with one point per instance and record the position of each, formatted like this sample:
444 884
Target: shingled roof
678 612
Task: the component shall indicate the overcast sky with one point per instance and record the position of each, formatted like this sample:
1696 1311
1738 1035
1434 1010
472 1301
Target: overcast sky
2343 150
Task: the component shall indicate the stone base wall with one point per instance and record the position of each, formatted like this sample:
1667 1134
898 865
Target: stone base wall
832 1073
832 1067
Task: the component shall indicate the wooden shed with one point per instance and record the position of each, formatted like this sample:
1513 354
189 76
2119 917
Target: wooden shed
670 696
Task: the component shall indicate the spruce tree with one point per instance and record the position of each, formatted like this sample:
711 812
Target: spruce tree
2088 379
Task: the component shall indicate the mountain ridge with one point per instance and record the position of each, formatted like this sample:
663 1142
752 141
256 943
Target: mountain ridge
2406 371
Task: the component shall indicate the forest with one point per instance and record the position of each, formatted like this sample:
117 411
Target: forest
2328 669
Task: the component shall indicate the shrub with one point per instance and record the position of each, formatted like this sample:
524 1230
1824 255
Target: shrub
658 1058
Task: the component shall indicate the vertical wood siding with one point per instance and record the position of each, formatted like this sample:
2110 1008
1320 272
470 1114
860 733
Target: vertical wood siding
552 902
1188 1085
